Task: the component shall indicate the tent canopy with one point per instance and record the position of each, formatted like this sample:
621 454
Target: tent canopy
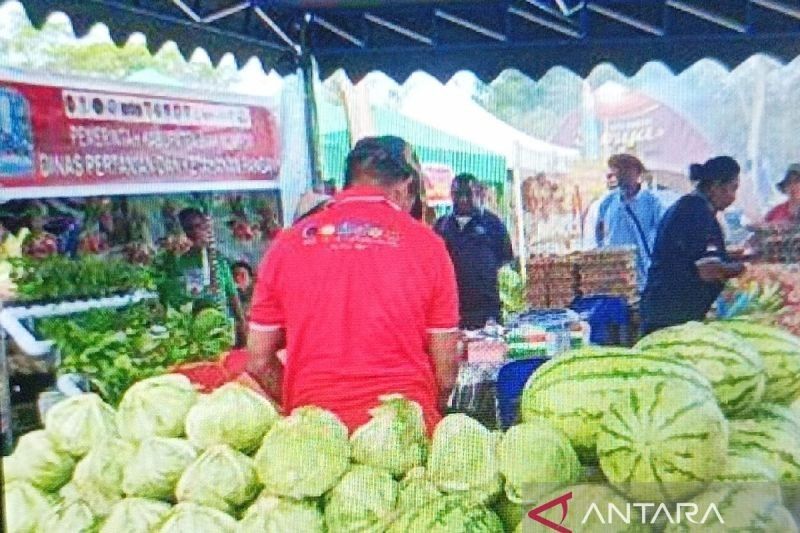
399 37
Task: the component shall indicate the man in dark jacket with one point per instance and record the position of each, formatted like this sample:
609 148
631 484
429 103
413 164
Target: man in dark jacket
479 245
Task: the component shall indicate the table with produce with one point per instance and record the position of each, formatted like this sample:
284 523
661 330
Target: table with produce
699 413
171 437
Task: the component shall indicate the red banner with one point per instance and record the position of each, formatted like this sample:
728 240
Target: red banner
53 136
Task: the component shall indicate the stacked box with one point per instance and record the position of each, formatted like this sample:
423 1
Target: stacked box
554 281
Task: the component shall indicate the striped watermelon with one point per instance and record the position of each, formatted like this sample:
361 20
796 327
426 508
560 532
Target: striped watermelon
771 436
735 369
746 508
744 469
573 391
780 351
448 514
662 443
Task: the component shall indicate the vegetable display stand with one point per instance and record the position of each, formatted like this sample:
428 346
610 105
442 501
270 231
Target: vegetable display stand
12 319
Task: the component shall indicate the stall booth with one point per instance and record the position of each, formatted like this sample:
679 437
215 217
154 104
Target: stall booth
95 176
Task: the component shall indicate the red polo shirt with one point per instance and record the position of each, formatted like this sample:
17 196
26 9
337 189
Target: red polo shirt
357 288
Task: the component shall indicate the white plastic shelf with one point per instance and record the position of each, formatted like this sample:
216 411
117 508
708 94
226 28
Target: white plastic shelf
11 317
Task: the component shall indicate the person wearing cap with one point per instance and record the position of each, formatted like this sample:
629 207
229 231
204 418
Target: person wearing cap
362 296
630 215
479 245
789 211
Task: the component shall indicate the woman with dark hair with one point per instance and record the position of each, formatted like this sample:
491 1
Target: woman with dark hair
690 263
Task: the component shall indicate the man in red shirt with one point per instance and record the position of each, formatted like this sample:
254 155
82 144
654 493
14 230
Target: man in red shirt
363 297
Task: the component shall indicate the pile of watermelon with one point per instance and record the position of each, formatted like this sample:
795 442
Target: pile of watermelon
692 413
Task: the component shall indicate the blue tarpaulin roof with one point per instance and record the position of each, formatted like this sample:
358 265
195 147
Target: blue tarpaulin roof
399 37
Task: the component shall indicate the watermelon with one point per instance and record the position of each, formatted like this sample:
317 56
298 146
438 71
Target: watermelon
771 436
755 508
573 391
584 504
662 443
744 469
448 514
735 369
780 351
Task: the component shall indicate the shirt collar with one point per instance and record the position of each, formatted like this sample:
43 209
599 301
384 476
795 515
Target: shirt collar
702 195
363 194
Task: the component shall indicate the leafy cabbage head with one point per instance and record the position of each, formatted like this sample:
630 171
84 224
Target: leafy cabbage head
363 501
190 517
25 506
416 490
38 461
79 422
155 469
156 407
535 459
270 514
221 477
75 517
304 455
136 515
234 415
463 459
394 439
101 469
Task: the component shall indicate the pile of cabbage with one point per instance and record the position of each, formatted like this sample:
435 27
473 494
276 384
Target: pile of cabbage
170 459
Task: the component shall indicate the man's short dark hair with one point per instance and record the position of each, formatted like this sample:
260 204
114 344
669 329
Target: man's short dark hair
464 179
186 216
243 264
383 158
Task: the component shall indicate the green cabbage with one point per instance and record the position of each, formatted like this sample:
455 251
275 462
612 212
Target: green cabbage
97 500
416 490
193 518
25 505
510 513
136 515
156 468
463 459
79 422
38 461
363 501
304 455
102 467
221 478
74 517
270 514
535 459
156 407
234 415
448 514
394 439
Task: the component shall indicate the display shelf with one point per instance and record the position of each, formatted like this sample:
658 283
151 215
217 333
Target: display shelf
11 317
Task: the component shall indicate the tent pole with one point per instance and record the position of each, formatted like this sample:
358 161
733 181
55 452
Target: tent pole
306 60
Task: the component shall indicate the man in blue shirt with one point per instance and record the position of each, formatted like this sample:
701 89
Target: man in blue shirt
479 245
630 215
